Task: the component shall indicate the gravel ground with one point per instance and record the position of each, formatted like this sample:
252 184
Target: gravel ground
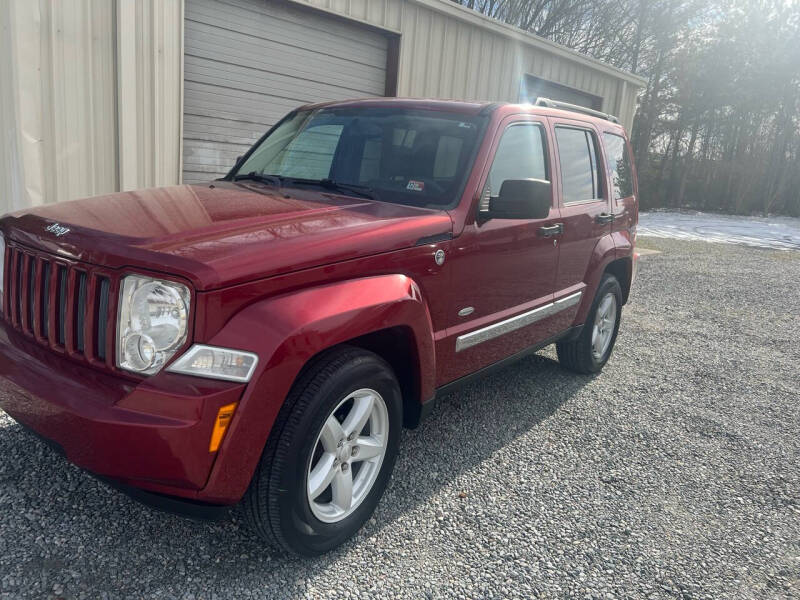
674 474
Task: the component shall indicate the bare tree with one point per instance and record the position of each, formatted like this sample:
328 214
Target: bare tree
718 124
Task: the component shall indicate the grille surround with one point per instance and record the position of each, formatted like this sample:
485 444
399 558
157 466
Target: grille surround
62 304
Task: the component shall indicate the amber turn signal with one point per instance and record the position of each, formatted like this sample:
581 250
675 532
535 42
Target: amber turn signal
224 417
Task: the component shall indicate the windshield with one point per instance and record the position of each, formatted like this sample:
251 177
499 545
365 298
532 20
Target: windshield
412 157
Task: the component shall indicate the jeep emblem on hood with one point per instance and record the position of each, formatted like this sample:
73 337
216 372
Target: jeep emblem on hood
57 229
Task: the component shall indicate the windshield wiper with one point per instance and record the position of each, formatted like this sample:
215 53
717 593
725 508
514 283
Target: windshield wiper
261 178
336 186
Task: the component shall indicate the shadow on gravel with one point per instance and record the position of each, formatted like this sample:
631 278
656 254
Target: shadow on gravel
469 425
90 529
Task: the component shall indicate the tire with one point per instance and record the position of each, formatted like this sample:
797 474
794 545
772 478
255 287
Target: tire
579 355
277 505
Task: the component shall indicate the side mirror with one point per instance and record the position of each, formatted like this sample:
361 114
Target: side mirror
522 199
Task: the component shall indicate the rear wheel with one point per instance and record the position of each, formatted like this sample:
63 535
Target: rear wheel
330 454
590 351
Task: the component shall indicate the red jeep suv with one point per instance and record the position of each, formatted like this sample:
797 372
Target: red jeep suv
263 338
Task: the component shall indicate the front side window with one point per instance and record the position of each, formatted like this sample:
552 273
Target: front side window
521 154
581 178
417 157
619 165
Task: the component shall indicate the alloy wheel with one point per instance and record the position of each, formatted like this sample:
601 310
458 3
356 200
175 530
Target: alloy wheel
347 456
603 329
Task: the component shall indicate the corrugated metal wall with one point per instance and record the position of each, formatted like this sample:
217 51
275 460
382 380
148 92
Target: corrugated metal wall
91 99
85 111
58 116
448 51
149 91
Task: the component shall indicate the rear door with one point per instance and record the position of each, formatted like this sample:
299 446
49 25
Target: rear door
584 200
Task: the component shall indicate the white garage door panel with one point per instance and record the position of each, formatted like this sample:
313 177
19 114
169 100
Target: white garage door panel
249 62
293 87
299 36
231 48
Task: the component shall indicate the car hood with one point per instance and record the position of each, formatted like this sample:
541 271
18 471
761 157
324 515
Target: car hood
222 233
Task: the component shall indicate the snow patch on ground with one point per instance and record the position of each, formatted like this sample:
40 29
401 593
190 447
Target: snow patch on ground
773 232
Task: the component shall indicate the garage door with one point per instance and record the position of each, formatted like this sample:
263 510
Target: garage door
249 62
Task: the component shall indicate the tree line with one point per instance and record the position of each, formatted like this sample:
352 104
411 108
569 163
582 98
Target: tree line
717 127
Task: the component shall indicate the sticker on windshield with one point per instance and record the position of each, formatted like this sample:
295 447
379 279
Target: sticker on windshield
415 186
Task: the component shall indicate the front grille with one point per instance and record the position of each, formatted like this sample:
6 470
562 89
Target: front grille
65 305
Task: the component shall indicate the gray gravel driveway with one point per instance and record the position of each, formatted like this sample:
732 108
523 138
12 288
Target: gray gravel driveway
674 474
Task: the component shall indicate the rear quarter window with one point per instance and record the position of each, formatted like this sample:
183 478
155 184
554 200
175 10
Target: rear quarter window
619 165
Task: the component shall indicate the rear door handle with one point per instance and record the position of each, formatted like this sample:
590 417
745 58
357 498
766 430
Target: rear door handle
604 218
556 229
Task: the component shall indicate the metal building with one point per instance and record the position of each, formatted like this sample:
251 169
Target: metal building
104 95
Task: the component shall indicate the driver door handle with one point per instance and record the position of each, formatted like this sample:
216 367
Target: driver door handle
604 218
556 229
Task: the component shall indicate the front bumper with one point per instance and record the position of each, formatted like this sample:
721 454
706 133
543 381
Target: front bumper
149 435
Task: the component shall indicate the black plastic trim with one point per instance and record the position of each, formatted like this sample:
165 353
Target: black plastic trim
435 239
448 388
175 505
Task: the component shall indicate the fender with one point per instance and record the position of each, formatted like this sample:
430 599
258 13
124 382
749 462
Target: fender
603 254
286 332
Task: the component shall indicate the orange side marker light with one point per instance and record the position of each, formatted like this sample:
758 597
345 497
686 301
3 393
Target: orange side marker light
221 425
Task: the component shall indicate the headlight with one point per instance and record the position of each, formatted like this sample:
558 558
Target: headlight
151 323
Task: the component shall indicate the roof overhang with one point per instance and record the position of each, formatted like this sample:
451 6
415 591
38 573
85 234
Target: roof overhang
457 11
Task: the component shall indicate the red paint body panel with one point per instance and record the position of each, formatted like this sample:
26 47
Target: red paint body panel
224 233
292 329
286 278
157 431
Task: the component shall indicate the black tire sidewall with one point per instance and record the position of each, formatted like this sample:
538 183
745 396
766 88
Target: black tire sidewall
301 530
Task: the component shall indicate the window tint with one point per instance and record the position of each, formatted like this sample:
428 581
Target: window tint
580 173
619 164
416 157
520 155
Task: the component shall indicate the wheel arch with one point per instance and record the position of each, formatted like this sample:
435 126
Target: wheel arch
384 314
397 346
622 269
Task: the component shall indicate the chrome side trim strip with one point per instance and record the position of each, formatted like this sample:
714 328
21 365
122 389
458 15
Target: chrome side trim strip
494 330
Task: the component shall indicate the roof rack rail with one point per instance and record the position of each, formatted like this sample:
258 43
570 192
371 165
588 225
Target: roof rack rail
575 108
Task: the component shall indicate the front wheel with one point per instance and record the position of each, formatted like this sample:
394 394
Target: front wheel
590 351
330 454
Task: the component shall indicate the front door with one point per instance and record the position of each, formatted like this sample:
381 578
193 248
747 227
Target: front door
503 270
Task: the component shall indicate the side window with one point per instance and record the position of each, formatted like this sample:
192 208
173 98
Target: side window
619 165
520 155
581 178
